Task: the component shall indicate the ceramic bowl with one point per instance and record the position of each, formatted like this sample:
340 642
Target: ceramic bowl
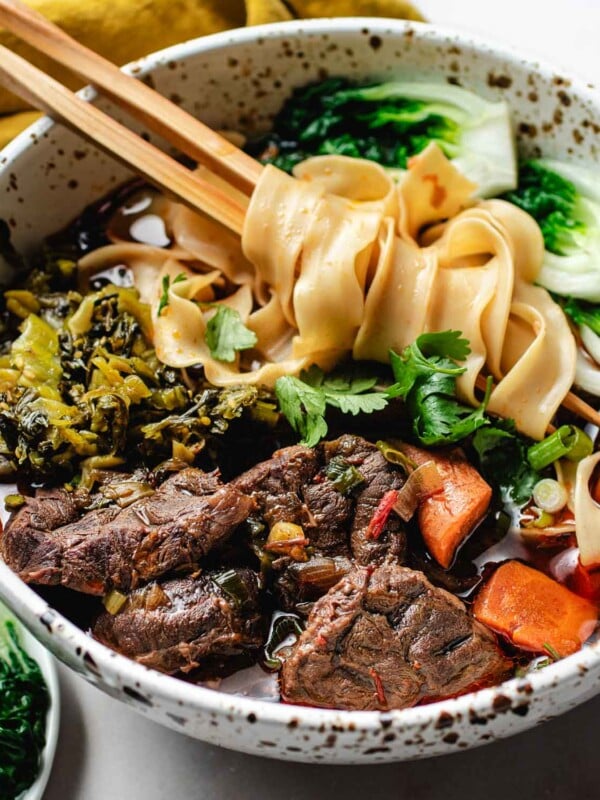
237 80
47 665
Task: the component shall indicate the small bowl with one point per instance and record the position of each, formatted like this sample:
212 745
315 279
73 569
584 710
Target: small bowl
47 666
238 79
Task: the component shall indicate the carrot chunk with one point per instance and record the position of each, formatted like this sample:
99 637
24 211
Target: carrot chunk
448 517
535 612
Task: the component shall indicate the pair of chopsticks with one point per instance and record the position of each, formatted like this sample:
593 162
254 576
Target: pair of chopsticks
160 115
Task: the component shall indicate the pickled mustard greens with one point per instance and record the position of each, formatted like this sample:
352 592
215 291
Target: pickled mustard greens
82 381
24 702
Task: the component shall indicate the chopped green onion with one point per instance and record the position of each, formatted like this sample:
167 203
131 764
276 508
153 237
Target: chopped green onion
114 601
552 652
395 456
283 626
343 475
566 442
232 584
550 495
542 519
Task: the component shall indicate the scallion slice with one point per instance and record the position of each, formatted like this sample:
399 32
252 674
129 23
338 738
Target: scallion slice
566 442
550 495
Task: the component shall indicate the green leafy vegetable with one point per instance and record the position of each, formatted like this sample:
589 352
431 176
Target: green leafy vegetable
166 285
226 334
94 387
583 313
389 123
564 199
503 461
425 375
304 400
24 703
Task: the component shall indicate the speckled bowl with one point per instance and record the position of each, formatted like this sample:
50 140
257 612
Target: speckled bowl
237 80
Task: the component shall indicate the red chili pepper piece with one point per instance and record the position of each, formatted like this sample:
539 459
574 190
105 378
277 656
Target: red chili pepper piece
379 518
381 698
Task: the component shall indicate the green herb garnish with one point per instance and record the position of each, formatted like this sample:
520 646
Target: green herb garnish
24 702
304 400
425 374
226 334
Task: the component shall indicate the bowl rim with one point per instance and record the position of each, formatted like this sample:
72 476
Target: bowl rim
61 635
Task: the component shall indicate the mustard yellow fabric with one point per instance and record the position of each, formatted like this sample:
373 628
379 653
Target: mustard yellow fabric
123 30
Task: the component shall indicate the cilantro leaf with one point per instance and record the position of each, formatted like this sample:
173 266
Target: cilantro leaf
438 418
430 353
304 400
503 461
304 407
226 334
357 403
425 376
446 344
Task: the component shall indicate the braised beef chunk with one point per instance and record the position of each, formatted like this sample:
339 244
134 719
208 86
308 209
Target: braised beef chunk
386 638
379 477
118 548
175 625
295 486
276 485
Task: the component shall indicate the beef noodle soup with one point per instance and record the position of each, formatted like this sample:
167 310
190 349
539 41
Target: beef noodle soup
345 461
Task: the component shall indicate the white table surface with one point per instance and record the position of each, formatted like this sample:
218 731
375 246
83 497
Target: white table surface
108 752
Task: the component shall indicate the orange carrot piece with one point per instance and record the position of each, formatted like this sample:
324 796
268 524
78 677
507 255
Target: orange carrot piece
534 611
448 517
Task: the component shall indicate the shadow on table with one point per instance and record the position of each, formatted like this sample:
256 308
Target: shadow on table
120 755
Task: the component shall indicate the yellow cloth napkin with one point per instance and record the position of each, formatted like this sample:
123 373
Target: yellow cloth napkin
123 30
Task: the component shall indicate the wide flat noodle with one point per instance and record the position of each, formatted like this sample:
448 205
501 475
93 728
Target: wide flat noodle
347 258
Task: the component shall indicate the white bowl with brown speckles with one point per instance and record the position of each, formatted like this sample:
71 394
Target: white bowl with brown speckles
236 80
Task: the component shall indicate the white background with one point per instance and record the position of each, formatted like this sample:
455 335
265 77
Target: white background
107 752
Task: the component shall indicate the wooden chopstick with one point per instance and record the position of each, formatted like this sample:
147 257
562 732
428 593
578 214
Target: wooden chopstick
174 179
160 115
571 402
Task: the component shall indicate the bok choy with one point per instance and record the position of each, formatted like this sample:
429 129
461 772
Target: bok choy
389 123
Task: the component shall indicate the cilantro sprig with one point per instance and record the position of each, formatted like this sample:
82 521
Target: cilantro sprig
425 378
304 400
226 334
425 374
